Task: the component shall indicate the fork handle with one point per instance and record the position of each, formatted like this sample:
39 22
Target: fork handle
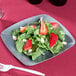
30 71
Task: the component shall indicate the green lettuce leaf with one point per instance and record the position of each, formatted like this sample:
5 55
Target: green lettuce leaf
15 32
29 30
37 53
57 47
60 33
19 46
23 36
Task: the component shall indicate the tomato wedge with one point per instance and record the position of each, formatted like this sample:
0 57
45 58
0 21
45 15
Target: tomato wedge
52 39
43 28
28 45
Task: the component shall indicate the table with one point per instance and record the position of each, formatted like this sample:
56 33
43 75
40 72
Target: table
16 10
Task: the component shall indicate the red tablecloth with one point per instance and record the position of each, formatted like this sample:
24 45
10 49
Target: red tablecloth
16 10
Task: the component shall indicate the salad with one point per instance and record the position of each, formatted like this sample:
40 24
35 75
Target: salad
36 38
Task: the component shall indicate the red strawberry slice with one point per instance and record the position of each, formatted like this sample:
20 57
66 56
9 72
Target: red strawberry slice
33 26
54 24
27 45
43 28
52 39
22 29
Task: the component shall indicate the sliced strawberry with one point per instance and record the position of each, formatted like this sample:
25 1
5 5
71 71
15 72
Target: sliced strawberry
54 24
43 28
27 45
33 26
22 29
52 39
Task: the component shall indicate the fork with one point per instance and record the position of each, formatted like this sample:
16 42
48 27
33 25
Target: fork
5 68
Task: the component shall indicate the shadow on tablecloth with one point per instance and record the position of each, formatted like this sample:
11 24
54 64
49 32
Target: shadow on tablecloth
66 12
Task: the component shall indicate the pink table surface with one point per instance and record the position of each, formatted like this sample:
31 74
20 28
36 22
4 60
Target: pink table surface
16 10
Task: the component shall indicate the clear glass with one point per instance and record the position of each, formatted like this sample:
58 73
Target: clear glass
1 13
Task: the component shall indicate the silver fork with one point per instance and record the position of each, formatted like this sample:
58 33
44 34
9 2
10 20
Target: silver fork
5 68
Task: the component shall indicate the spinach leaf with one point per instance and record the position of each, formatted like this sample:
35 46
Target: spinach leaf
15 32
19 46
29 30
23 36
37 53
60 33
57 47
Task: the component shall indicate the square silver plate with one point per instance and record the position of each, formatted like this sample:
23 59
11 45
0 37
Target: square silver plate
6 37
